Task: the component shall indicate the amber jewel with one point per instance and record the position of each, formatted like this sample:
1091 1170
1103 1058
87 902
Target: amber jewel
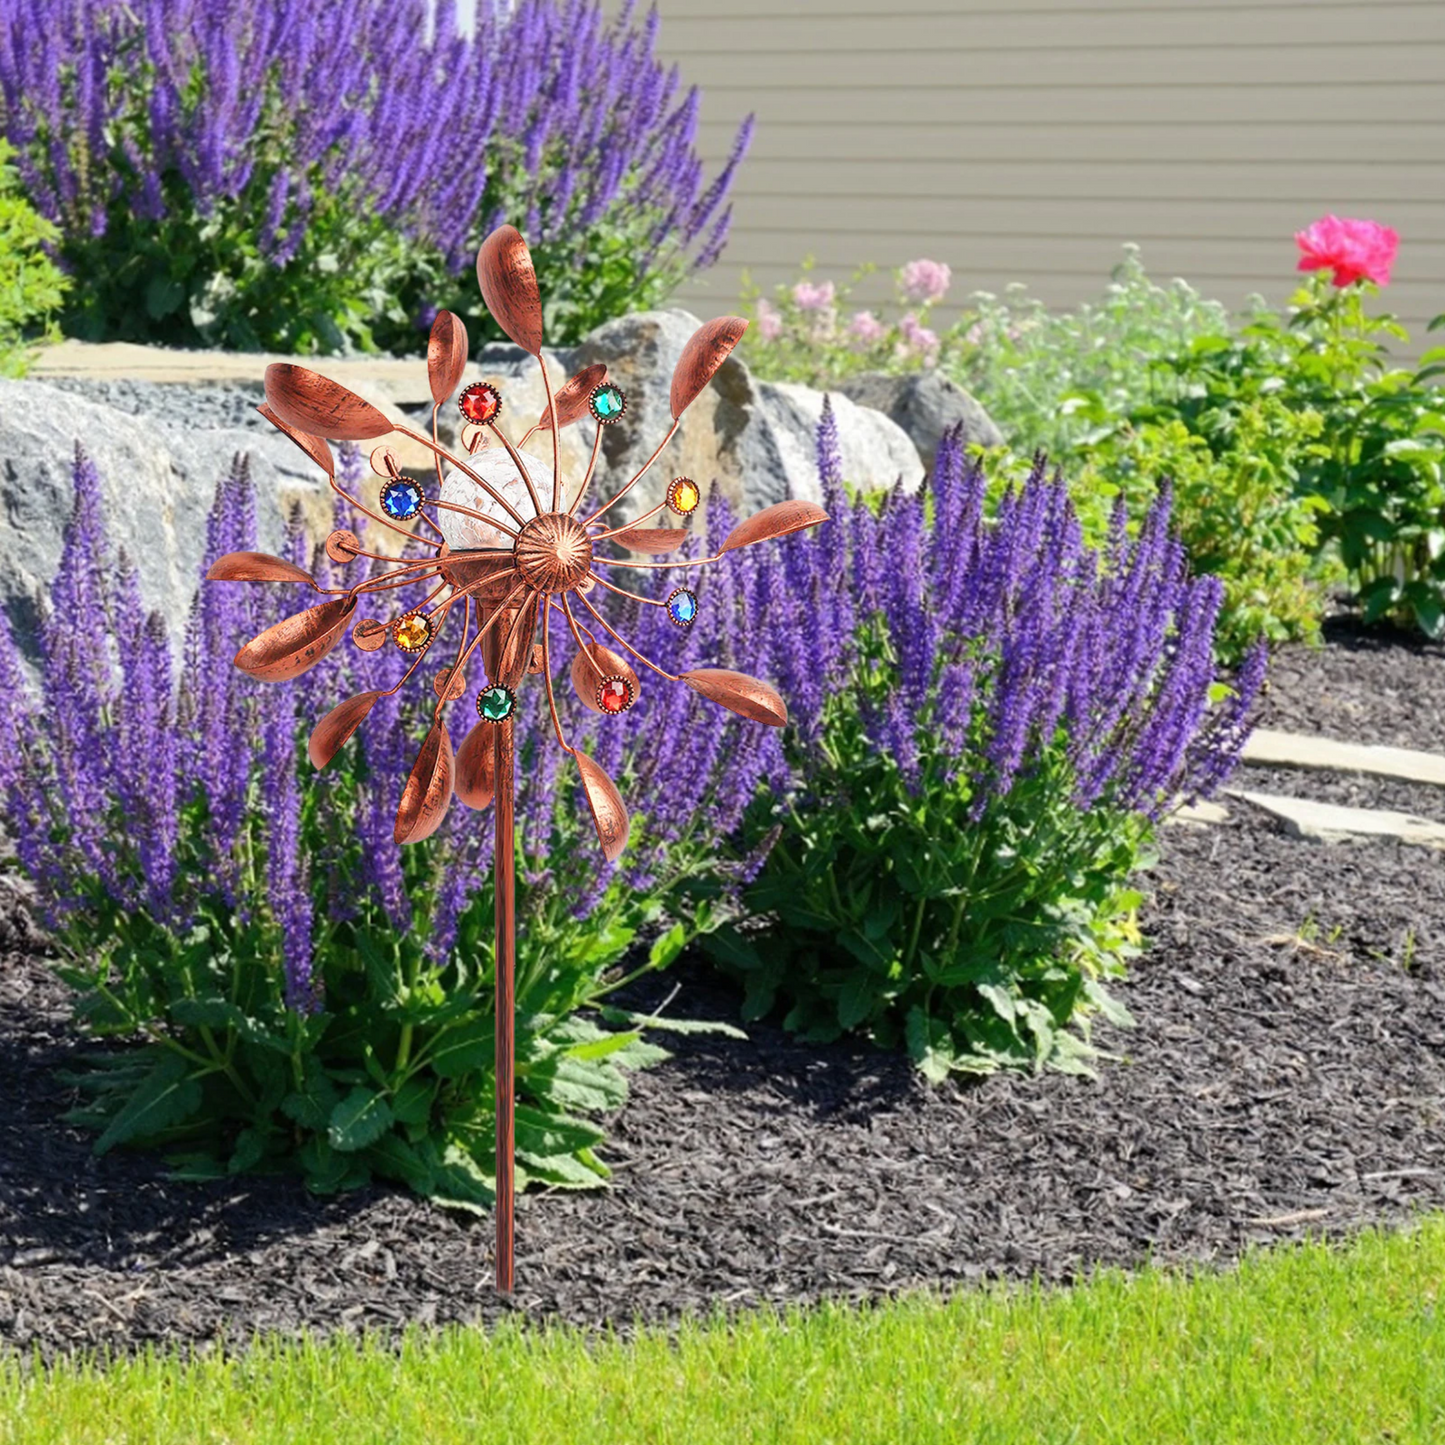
683 495
412 632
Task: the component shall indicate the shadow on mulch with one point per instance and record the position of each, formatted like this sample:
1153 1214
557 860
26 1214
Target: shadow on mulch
1287 1076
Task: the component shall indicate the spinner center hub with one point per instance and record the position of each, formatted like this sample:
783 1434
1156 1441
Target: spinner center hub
553 552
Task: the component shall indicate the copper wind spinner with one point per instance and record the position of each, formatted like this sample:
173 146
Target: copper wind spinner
510 562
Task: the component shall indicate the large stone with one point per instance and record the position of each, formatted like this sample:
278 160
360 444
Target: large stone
754 440
1271 749
925 404
158 482
1335 823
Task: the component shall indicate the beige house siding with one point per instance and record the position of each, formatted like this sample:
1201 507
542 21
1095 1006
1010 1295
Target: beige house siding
1027 142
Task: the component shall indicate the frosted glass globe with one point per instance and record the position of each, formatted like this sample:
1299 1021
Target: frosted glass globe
464 533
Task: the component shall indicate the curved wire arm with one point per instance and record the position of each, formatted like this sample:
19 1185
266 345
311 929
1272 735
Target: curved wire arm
547 677
386 522
556 437
581 646
441 452
655 566
587 476
521 467
658 670
390 581
637 476
635 522
622 591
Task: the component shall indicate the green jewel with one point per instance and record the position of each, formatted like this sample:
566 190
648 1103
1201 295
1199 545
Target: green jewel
495 703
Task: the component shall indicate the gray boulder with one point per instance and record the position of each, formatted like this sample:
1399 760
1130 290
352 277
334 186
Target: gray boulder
925 404
159 482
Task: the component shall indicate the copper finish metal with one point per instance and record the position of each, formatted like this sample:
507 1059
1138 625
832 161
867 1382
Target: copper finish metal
504 594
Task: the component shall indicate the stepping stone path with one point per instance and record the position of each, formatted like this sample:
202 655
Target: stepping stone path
1333 822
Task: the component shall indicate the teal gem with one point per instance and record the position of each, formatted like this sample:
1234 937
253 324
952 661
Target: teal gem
607 402
682 607
495 703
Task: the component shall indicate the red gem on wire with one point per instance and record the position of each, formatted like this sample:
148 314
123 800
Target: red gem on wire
614 694
480 403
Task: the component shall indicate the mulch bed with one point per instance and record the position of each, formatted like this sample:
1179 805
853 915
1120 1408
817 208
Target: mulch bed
1287 1075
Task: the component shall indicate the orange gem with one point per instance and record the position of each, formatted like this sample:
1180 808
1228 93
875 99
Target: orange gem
412 632
683 495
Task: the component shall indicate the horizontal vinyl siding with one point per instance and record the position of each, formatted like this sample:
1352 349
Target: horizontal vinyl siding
1028 143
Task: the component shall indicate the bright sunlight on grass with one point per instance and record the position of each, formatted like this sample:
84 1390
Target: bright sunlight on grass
1303 1344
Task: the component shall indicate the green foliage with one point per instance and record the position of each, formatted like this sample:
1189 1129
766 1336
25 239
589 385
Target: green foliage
31 286
1240 507
975 942
395 1078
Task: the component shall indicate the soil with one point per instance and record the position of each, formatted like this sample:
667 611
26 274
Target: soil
1286 1076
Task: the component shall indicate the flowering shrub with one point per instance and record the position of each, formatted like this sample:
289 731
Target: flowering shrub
277 174
292 988
989 717
30 286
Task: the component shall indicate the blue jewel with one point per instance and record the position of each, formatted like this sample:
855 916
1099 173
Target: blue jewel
401 499
682 607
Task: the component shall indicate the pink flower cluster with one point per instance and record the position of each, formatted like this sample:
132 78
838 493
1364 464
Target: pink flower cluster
810 297
917 338
925 282
1355 250
867 328
770 323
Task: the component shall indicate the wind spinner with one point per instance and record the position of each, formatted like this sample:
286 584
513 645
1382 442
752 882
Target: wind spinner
506 562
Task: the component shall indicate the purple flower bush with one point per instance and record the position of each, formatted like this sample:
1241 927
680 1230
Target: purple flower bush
311 991
989 717
270 174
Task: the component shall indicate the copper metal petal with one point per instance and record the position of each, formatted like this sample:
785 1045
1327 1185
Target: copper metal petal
476 770
291 647
709 347
256 567
744 695
653 540
509 287
775 521
330 735
316 404
428 791
446 355
609 812
314 447
572 397
587 674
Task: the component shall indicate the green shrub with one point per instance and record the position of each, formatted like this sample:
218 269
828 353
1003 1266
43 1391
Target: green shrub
31 286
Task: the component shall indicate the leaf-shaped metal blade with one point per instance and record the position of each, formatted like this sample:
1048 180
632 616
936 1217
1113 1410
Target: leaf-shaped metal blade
315 447
446 355
314 403
331 734
256 567
776 521
291 647
653 540
593 663
744 695
476 771
509 287
572 398
709 347
428 791
609 812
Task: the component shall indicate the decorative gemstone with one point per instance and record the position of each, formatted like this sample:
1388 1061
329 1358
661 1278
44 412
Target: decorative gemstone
495 703
480 403
683 495
682 607
401 499
607 402
412 632
614 694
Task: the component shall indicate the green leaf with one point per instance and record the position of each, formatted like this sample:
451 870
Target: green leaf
359 1119
675 1026
167 1096
163 296
249 1151
460 1183
855 1001
393 1158
667 948
311 1105
465 1048
544 1134
413 1101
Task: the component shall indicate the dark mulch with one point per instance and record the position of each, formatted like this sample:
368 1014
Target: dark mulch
1287 1076
1366 684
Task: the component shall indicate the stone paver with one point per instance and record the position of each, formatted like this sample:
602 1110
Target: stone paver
1335 823
1267 748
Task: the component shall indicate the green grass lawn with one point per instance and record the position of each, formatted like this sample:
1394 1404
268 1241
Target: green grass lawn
1301 1344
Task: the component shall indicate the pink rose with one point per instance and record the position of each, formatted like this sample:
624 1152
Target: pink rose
1356 250
770 324
926 281
867 328
808 297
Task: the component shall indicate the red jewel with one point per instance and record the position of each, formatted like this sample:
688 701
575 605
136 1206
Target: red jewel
480 402
615 695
